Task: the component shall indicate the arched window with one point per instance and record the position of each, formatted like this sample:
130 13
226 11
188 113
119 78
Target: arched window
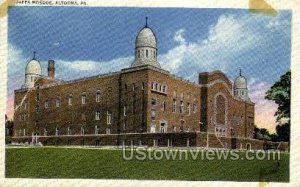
146 53
98 96
220 110
139 54
83 98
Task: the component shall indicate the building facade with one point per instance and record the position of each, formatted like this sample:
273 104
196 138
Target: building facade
143 98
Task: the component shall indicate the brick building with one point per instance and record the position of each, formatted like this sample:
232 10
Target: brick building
141 99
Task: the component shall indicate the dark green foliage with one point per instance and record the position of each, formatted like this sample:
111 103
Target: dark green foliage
280 93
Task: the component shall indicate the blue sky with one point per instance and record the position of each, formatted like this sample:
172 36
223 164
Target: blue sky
89 41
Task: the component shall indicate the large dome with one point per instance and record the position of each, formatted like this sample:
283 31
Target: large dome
146 38
240 82
33 68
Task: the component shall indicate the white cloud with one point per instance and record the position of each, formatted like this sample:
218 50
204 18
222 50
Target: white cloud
227 38
178 37
16 68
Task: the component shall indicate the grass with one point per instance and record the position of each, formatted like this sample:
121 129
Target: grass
109 164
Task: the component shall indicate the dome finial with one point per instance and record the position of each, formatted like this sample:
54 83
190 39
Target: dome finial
34 52
240 72
146 22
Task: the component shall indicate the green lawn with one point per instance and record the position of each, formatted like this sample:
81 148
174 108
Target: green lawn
109 164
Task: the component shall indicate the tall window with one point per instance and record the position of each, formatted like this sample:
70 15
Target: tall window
147 53
45 131
97 115
98 96
56 131
143 85
133 87
25 105
70 100
69 131
194 107
220 110
46 104
108 119
153 114
57 102
181 107
37 96
125 109
189 108
82 130
153 102
139 54
83 98
163 105
174 105
96 129
107 130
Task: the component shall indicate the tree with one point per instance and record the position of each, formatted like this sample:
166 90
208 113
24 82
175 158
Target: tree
280 93
263 134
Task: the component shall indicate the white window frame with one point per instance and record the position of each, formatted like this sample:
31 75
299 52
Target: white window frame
45 132
98 96
69 130
97 115
47 103
56 131
174 106
194 107
125 110
181 111
83 99
57 102
96 129
82 130
108 118
70 100
189 108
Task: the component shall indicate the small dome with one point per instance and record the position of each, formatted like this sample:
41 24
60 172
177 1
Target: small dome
145 38
240 82
33 67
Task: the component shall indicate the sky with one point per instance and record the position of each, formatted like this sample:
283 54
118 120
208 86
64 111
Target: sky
90 41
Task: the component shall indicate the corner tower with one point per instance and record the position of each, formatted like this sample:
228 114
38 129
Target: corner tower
145 48
32 72
240 87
